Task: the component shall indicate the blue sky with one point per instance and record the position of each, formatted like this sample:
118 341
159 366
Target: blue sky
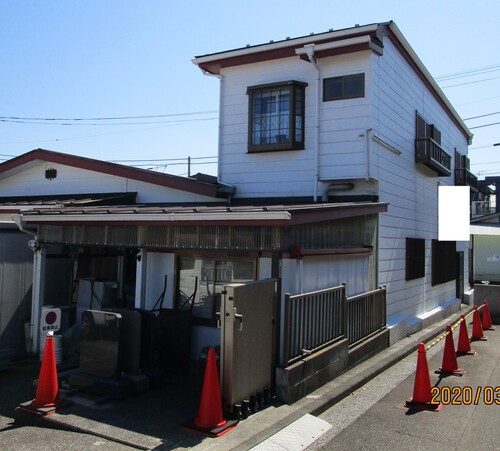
126 58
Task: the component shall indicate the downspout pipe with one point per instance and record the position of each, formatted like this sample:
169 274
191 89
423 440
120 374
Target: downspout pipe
219 144
21 225
309 51
369 133
38 276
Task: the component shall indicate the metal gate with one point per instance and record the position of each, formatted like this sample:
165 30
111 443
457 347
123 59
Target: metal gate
247 340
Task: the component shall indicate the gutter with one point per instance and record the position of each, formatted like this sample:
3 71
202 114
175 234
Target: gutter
18 220
165 217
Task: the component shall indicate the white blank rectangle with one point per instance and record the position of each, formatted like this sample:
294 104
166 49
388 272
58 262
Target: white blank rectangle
454 213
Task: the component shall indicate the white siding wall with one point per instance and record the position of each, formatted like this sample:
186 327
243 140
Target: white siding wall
410 189
343 124
342 129
393 94
71 180
270 174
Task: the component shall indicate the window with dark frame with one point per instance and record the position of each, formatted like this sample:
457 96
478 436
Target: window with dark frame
426 130
415 258
344 87
276 116
444 261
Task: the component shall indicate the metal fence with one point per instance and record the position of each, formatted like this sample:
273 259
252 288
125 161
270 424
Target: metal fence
314 320
366 314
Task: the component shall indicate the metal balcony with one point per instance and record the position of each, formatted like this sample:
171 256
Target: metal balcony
481 208
432 155
463 177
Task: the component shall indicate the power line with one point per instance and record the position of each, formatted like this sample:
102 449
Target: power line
22 121
482 115
163 159
485 125
469 72
483 147
470 82
116 118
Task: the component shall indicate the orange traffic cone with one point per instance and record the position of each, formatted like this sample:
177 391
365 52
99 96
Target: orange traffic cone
486 322
450 364
422 396
477 328
210 420
463 339
47 391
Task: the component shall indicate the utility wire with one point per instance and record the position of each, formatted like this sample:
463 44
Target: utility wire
22 121
163 159
116 118
470 82
469 72
482 115
485 125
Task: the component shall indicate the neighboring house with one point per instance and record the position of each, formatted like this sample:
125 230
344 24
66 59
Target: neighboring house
349 115
44 179
485 233
485 246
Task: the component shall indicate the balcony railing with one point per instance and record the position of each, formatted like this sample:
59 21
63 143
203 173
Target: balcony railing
463 177
432 155
481 208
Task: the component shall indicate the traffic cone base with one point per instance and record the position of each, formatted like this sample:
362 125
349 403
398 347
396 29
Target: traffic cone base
30 407
410 404
213 432
457 372
210 420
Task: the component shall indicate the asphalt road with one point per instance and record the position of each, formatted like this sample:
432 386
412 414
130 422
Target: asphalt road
374 417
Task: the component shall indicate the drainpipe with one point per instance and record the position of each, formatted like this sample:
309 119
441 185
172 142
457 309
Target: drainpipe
221 79
38 281
369 132
309 51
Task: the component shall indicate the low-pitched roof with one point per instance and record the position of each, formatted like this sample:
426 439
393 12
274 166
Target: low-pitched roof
143 175
332 42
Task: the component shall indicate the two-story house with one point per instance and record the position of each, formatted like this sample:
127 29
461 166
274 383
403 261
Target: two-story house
351 115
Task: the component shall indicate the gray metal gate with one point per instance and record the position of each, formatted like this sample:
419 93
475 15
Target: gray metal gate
247 340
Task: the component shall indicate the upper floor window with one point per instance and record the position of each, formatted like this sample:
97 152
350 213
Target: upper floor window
276 116
345 87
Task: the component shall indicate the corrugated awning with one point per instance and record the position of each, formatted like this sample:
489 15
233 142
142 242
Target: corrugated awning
244 215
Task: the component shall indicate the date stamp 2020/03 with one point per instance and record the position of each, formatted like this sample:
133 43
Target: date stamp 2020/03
466 396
